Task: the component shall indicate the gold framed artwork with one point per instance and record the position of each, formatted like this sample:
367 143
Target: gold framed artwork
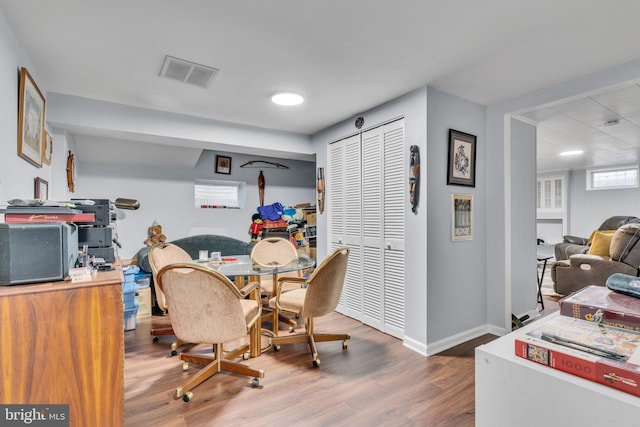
461 217
31 109
41 189
47 151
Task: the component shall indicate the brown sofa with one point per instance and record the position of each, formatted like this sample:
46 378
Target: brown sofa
582 270
572 245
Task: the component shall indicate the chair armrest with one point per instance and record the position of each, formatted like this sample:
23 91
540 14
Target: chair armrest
292 279
575 240
250 288
595 261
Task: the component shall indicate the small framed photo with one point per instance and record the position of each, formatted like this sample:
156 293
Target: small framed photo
461 217
461 169
223 165
48 148
41 189
30 120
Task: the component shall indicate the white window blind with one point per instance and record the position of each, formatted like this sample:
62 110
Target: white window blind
218 194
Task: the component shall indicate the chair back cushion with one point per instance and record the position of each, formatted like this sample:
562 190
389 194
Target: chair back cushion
273 252
624 245
160 255
325 284
204 305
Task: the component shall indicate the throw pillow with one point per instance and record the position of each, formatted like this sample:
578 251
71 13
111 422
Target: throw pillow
601 242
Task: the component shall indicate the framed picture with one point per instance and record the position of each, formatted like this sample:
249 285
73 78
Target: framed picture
30 120
47 152
461 217
41 189
461 169
223 165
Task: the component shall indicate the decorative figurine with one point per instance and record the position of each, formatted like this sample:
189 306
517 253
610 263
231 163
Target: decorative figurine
256 227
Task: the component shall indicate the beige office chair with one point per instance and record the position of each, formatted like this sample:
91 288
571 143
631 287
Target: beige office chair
160 255
276 252
320 297
206 307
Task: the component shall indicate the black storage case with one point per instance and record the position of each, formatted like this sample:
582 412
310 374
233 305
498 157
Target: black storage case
37 252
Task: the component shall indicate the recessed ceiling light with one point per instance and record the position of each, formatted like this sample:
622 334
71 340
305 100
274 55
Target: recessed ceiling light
571 153
287 98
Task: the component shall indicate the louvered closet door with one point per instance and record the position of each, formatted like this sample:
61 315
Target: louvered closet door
372 223
345 212
366 197
395 190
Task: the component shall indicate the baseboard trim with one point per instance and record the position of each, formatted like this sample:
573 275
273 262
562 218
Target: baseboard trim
456 339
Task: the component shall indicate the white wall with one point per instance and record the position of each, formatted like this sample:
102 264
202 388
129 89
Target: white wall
166 196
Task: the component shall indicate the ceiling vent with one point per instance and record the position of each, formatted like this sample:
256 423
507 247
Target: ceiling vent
187 71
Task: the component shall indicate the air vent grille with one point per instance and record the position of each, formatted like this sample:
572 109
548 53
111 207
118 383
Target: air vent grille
187 71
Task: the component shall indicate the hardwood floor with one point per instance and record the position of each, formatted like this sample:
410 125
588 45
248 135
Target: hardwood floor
376 381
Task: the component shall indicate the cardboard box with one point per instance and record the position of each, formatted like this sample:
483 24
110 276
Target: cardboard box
311 218
144 302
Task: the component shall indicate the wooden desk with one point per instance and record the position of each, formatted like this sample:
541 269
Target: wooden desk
63 343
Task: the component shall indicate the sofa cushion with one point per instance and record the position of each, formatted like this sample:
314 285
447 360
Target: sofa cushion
624 245
601 242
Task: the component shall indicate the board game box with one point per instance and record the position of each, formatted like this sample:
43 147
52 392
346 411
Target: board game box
618 310
600 353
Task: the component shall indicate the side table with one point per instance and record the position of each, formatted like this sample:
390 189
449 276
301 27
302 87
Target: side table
542 259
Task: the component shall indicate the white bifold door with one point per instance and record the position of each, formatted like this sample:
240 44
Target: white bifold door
366 191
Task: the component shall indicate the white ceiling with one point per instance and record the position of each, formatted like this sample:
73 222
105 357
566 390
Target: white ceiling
344 56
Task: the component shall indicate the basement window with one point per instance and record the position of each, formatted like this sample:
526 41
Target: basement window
211 194
612 178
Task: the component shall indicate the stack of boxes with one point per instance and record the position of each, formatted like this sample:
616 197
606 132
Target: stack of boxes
143 296
129 289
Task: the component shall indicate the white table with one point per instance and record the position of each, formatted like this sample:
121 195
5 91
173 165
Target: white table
511 391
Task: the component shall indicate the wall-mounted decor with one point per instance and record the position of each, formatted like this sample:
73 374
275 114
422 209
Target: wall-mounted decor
71 172
262 183
47 152
461 217
41 189
263 164
461 169
320 190
30 120
223 165
414 177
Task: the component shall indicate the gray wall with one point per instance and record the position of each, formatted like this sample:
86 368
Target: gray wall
588 209
457 270
504 253
166 196
523 213
413 107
